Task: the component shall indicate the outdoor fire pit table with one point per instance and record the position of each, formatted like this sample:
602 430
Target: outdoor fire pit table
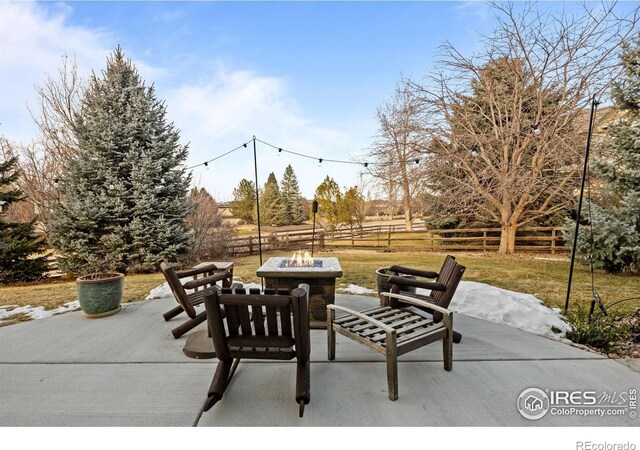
320 275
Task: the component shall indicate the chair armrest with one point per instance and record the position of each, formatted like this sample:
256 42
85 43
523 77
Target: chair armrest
402 281
196 270
371 320
206 280
416 302
416 272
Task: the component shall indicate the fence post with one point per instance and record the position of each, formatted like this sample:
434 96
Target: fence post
250 245
484 241
321 241
286 241
389 238
553 241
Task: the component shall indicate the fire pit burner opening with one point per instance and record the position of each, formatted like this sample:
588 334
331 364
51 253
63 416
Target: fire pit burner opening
298 260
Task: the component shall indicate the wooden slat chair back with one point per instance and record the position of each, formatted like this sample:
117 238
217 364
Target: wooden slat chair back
442 289
210 274
397 327
274 325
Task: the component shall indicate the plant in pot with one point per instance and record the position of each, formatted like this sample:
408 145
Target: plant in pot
100 292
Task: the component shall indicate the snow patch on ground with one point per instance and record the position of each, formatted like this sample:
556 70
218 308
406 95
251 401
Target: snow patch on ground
523 311
161 291
355 289
7 312
480 300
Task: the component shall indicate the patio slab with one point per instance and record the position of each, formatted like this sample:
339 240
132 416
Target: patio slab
128 370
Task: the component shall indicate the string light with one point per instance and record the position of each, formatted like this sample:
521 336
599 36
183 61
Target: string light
281 150
218 157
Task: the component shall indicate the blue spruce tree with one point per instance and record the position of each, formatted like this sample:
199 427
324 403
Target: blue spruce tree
616 222
125 193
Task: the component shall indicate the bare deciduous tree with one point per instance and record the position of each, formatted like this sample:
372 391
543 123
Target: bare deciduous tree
398 148
42 162
210 233
504 140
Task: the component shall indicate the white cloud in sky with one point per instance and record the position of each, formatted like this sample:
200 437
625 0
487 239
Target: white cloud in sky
219 111
219 114
32 44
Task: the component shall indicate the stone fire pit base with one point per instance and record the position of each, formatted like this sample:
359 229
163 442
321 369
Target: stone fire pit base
321 281
322 292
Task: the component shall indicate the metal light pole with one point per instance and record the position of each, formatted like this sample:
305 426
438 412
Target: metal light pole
255 165
594 104
314 208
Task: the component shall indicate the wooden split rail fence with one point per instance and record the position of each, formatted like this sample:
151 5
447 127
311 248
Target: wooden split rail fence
394 237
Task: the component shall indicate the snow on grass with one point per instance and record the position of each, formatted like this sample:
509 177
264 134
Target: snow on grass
515 309
355 289
480 300
7 312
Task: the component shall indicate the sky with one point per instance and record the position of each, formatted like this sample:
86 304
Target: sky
303 76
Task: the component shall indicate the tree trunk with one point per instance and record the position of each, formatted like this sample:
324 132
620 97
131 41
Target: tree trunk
507 239
408 219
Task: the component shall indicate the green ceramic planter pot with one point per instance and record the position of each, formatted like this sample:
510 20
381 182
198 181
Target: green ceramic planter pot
100 293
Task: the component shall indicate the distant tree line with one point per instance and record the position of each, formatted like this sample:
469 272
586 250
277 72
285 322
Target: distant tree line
280 204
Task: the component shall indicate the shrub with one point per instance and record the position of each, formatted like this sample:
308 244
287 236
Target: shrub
601 332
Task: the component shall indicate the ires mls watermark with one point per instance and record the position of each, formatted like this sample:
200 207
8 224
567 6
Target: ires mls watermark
535 403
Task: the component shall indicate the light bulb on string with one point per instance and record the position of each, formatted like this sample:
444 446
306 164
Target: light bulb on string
206 165
417 161
320 162
279 151
55 183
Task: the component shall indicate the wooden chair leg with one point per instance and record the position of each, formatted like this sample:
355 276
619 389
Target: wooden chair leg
301 409
447 344
331 334
189 325
392 366
172 313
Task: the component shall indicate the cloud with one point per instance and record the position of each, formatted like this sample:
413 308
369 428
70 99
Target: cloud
33 40
230 107
216 106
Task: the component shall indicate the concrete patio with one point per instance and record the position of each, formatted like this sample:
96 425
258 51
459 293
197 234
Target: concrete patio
127 370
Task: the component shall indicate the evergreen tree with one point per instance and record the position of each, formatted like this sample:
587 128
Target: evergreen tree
17 241
291 198
125 192
329 198
244 201
616 224
272 210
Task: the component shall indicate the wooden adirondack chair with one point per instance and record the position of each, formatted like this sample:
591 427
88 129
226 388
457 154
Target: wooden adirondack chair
395 328
439 295
259 326
186 301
